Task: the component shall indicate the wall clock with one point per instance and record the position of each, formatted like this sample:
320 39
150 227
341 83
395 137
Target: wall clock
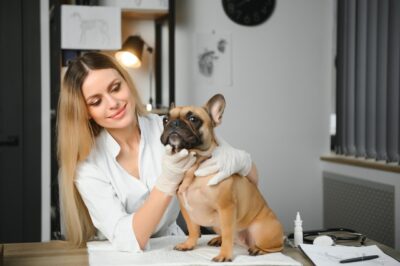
248 12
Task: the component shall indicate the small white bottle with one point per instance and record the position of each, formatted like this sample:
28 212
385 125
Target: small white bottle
298 230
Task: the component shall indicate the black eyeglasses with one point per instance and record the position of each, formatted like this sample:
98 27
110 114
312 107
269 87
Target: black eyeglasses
337 234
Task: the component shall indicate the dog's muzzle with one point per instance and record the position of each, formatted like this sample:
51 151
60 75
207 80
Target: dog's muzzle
180 136
174 139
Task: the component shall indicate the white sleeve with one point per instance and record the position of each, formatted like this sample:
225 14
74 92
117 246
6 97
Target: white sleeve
106 210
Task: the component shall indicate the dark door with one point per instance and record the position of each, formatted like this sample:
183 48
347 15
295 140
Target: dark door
20 116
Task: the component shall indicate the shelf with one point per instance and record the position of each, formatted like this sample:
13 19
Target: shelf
160 111
145 9
361 162
150 15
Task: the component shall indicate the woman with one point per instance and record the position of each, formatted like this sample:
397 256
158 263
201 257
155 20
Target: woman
115 175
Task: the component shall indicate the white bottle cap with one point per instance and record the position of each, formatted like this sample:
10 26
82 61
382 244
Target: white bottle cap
298 220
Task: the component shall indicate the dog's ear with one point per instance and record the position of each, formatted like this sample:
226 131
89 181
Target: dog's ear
171 106
215 107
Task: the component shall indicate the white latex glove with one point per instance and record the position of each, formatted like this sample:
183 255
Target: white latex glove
174 167
227 161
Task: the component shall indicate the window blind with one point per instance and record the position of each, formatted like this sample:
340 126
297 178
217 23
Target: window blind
368 78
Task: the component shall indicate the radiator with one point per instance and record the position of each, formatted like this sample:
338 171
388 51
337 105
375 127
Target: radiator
365 206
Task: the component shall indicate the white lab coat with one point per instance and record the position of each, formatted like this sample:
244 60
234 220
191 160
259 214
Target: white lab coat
112 195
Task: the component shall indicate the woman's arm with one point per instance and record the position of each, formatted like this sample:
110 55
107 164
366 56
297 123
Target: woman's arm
146 219
109 214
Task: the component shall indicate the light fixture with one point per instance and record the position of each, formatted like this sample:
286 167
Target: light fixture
131 56
131 53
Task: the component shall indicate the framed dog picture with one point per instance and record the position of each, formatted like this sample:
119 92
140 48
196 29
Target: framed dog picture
90 27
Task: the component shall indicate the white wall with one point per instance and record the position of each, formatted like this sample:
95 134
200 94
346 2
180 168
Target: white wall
45 120
279 103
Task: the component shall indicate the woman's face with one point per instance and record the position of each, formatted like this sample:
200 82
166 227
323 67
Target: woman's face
108 99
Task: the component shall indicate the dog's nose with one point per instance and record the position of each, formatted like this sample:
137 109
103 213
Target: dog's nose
176 123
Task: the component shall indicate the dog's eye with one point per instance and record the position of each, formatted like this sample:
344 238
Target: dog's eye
193 119
165 120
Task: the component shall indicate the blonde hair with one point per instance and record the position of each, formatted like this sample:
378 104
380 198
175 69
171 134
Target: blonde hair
75 138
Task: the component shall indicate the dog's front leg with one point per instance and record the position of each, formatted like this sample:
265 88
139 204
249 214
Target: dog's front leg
194 229
189 175
187 179
227 217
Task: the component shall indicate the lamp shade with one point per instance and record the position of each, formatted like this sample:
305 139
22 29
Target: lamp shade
131 53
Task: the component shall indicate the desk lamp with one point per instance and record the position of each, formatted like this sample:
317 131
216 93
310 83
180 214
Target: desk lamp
131 56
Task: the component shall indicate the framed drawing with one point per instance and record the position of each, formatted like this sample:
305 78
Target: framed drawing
213 58
90 27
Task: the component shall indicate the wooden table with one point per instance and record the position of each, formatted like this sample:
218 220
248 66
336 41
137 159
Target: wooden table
44 253
61 253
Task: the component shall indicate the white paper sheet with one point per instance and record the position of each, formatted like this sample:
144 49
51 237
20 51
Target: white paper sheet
162 253
331 255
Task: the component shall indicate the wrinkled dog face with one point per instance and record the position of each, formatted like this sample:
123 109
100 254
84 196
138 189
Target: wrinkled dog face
184 128
192 127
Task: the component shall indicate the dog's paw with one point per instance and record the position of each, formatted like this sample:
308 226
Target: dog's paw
184 246
215 242
255 251
222 258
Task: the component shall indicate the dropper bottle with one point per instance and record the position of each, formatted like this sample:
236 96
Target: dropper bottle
298 230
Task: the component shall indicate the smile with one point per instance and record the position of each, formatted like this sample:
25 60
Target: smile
119 114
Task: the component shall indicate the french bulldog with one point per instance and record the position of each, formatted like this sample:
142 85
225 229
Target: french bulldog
234 205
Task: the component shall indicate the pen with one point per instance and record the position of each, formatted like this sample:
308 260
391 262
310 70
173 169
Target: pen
371 257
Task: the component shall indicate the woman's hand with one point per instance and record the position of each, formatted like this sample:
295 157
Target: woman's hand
174 167
227 161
